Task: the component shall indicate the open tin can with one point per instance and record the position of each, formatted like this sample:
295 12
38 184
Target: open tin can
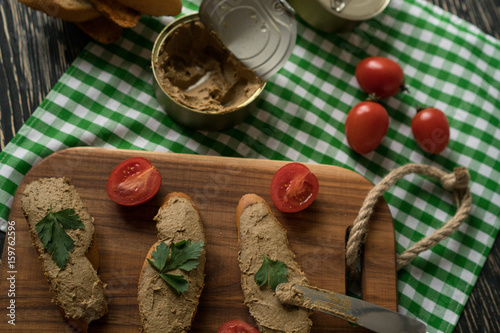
260 34
337 15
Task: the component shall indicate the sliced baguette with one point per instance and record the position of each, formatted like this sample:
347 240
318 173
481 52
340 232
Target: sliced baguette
260 234
101 29
103 20
77 290
155 7
123 16
161 308
68 10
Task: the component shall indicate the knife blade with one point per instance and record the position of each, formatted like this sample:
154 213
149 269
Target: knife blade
356 311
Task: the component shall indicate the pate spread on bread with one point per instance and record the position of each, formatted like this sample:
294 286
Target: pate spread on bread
163 309
260 234
77 289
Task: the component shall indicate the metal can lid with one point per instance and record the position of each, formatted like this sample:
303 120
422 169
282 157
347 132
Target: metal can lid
260 33
356 10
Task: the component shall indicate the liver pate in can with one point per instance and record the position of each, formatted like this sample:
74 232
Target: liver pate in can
198 81
206 81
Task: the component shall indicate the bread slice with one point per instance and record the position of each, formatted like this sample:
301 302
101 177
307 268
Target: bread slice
101 29
77 289
155 7
68 10
103 20
161 308
260 234
123 16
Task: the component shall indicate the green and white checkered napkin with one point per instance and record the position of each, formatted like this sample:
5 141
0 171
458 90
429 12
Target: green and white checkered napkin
105 99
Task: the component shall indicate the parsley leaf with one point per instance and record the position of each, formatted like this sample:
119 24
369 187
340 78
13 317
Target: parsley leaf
271 272
51 230
160 256
176 281
183 255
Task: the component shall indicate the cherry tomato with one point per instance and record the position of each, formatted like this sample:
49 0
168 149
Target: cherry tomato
237 326
133 182
366 126
431 130
293 188
380 76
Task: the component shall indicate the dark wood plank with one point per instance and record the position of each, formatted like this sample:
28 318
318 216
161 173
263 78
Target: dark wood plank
35 51
482 311
484 14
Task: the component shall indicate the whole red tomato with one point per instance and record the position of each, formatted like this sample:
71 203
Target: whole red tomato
237 326
380 76
431 130
366 126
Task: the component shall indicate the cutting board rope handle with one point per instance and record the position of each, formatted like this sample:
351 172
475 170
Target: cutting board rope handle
456 182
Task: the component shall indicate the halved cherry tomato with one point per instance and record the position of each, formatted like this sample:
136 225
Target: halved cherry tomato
366 126
431 130
133 182
237 326
380 76
293 188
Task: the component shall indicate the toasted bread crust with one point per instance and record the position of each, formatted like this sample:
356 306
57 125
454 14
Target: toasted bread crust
103 20
79 11
177 195
122 15
101 29
155 7
93 254
245 201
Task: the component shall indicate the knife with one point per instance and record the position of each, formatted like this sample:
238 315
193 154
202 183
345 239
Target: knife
356 311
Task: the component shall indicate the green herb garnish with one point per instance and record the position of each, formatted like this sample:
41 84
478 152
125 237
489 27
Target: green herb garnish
52 232
271 272
183 255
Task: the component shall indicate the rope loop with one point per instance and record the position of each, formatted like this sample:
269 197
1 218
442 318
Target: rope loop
456 182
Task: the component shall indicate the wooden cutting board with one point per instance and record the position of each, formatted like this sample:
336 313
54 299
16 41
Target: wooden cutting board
124 236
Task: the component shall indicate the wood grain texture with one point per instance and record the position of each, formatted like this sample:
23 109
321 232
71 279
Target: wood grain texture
125 234
35 50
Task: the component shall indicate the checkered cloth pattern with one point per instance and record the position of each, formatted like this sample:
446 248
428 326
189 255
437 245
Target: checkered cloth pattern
106 99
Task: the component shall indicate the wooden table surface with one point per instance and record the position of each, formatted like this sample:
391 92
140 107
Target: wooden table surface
35 50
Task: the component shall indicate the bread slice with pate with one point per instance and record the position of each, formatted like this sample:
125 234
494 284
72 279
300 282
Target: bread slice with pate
76 288
261 235
162 307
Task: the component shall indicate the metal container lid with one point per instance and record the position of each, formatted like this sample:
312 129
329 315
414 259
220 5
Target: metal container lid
356 10
260 33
